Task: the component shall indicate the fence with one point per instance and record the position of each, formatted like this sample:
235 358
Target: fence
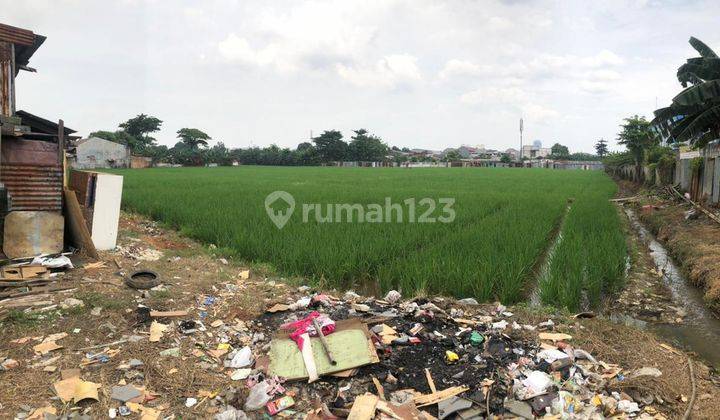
696 172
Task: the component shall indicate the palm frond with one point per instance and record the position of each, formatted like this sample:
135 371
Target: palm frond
702 123
700 47
698 94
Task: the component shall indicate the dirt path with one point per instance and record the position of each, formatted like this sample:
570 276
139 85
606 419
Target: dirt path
234 307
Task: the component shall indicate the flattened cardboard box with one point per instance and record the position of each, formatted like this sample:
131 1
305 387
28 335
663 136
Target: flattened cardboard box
350 343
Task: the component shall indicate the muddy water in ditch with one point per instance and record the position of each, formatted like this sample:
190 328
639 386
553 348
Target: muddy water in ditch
700 330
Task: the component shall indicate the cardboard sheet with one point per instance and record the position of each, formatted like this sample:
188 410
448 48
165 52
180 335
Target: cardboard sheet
350 344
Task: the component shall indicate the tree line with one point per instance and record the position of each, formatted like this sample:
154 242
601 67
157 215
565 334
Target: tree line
560 152
193 147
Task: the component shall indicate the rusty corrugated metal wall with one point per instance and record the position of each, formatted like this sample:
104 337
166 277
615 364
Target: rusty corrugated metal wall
16 35
32 174
33 187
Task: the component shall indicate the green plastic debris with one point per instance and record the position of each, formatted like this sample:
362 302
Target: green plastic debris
476 338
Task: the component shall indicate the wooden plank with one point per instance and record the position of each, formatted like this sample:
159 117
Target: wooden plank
379 388
364 407
436 397
388 410
25 283
32 292
431 383
554 336
345 373
623 199
78 228
167 314
20 272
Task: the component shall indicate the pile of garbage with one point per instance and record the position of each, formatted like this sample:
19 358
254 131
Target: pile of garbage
28 282
319 356
432 358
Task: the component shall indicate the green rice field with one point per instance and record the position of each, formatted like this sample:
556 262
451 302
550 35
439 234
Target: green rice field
505 220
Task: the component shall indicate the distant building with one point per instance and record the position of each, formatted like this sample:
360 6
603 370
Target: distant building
468 152
534 152
513 153
425 154
420 152
100 153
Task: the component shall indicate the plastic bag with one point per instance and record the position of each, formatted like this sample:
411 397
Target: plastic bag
258 396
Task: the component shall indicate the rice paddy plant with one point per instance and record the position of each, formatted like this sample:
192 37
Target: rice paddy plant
589 261
504 218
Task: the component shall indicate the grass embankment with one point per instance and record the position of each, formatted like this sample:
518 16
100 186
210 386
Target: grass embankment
503 220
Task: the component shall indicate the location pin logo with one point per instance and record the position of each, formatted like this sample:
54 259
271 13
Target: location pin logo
279 206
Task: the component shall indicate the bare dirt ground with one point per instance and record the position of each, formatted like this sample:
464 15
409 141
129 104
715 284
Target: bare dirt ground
212 290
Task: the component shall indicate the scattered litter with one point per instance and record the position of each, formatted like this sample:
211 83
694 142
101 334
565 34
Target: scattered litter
8 364
645 371
500 325
168 314
156 331
142 279
258 396
278 307
393 297
136 252
468 301
46 347
75 389
171 352
452 405
240 358
94 265
536 383
274 407
360 307
231 413
53 262
125 393
476 338
626 406
554 336
240 374
551 355
71 303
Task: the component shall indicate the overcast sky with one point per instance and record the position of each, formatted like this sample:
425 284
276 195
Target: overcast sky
417 73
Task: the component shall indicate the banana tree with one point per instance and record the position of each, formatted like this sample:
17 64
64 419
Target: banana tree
694 115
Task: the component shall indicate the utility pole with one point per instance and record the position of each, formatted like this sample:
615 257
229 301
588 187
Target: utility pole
520 153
